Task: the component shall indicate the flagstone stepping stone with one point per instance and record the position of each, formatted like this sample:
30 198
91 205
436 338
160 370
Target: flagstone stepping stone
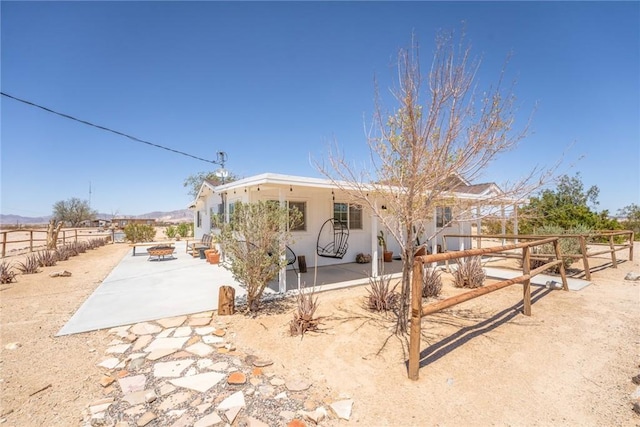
171 369
254 422
277 382
235 400
200 349
174 400
202 408
172 322
166 388
133 383
297 385
220 366
114 342
282 395
314 416
210 339
137 397
342 408
200 382
296 423
219 332
159 354
208 420
119 330
184 331
232 414
165 333
202 321
192 340
237 378
145 328
266 390
164 343
146 419
184 421
261 363
99 408
205 330
256 372
118 349
208 314
109 363
203 364
142 342
176 412
106 380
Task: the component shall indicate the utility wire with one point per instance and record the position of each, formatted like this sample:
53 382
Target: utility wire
105 128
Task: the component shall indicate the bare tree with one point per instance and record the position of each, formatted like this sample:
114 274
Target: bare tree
73 211
439 130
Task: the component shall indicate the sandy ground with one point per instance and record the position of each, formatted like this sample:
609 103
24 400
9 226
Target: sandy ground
484 362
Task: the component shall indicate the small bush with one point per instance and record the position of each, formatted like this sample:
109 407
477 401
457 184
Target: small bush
29 265
6 274
72 249
139 232
185 229
469 273
431 283
171 232
46 258
82 247
304 317
381 296
568 246
63 253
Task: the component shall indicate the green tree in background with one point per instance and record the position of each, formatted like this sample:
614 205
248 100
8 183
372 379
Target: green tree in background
631 219
73 211
194 182
567 206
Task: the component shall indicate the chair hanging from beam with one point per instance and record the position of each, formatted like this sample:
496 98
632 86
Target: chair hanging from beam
333 239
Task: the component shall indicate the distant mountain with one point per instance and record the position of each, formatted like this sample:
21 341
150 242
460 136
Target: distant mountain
181 215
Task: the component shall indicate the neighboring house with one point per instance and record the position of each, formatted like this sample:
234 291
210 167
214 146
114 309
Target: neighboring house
320 200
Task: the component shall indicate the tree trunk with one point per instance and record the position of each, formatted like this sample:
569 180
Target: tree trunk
52 234
226 301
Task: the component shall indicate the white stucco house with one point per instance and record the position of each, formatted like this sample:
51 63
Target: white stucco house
320 200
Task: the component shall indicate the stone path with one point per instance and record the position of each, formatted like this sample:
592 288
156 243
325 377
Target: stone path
186 371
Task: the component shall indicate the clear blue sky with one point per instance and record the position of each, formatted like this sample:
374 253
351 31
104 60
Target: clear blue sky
274 83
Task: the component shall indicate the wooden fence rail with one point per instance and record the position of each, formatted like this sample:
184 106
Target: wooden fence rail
35 236
418 310
584 254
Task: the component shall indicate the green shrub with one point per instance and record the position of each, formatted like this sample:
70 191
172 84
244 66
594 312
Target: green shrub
171 231
185 229
568 246
139 233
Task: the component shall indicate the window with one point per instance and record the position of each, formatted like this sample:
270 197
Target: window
348 214
443 216
198 219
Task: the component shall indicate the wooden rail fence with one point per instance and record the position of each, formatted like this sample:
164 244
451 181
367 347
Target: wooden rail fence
418 310
583 239
35 236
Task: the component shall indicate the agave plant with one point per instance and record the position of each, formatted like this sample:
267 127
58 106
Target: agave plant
63 253
382 297
469 273
304 318
6 274
47 258
431 283
29 265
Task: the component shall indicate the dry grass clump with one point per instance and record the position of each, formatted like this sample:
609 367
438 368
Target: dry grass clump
469 273
304 319
382 297
63 253
431 283
6 274
47 258
29 265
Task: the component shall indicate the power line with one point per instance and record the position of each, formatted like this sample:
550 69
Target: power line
67 116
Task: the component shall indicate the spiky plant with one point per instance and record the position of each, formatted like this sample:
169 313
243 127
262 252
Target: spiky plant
82 247
431 283
304 317
6 274
29 265
73 249
63 253
382 297
469 273
47 258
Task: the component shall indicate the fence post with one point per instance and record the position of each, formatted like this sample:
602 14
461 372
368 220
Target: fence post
526 285
631 240
444 245
30 240
4 243
614 262
563 273
585 257
416 317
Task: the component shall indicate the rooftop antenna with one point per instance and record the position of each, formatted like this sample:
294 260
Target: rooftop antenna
221 159
89 193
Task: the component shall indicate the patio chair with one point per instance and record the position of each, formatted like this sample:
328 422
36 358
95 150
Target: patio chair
333 239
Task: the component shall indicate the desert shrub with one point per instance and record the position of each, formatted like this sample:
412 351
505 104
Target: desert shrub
7 275
82 247
568 246
139 232
170 231
382 297
185 229
72 249
47 258
431 283
63 253
29 265
304 317
469 273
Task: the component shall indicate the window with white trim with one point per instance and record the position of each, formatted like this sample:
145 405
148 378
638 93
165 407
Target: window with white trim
444 216
348 214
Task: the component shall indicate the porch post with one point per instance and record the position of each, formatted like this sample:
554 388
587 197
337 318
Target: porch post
478 228
282 283
504 224
515 221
